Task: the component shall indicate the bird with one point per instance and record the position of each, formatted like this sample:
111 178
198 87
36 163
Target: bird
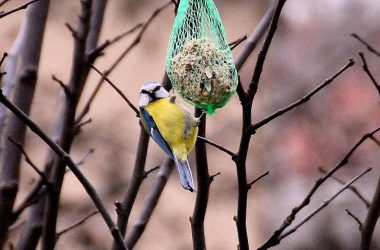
171 126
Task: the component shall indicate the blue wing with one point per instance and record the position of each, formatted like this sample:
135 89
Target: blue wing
183 168
155 133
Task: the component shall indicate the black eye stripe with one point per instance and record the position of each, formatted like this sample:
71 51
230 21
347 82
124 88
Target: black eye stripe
150 92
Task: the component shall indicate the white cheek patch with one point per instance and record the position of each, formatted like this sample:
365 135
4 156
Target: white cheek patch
144 100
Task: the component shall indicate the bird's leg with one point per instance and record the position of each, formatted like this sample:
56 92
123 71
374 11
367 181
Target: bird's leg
172 99
203 113
198 119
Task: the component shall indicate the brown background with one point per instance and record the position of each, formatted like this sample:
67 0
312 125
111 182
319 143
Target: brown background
312 43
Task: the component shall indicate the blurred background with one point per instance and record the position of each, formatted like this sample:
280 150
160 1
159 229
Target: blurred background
313 42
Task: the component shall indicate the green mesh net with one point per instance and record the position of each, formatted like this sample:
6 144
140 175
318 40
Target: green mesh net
199 60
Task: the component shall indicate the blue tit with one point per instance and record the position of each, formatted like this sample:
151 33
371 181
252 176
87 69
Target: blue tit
171 126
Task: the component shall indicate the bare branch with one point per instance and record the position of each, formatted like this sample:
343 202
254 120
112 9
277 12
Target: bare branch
124 208
65 126
249 186
31 232
69 162
220 147
150 203
203 187
246 100
352 188
106 73
22 79
255 37
274 240
369 47
366 69
320 207
304 99
371 220
356 219
254 84
21 7
75 225
117 90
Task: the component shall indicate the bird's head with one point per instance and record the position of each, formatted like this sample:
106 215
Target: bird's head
150 92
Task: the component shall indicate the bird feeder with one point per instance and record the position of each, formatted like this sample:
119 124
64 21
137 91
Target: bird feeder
199 60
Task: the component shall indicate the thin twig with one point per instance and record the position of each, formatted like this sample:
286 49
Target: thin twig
130 104
254 84
375 140
237 42
98 50
80 125
72 30
5 54
106 73
30 162
85 157
371 220
369 47
150 171
70 163
212 177
255 37
356 219
304 99
366 69
274 240
61 84
220 147
249 186
21 7
352 188
36 192
59 234
322 206
3 2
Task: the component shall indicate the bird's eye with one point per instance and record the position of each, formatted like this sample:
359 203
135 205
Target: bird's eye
156 88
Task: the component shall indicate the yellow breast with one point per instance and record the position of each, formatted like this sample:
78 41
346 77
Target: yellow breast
171 122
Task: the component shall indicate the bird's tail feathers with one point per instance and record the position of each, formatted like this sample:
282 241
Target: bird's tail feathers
185 175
